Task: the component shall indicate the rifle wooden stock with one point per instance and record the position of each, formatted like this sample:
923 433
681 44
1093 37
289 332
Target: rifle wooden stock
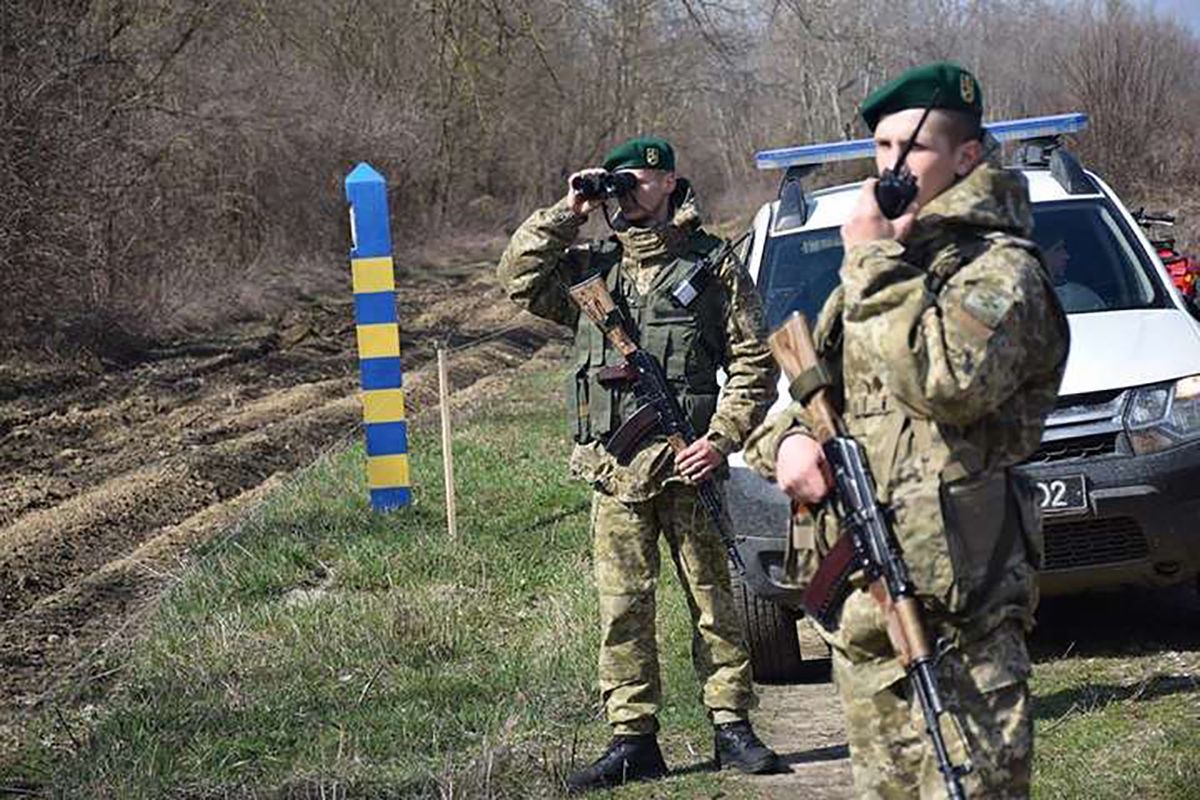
792 345
595 301
868 543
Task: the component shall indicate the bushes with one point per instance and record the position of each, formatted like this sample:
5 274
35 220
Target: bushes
165 164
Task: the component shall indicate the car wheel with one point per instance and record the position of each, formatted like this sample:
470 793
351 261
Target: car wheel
770 631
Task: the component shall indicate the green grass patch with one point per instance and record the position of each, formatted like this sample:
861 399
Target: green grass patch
324 651
322 648
1117 727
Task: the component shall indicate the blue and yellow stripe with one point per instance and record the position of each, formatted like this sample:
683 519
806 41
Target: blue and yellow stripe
377 330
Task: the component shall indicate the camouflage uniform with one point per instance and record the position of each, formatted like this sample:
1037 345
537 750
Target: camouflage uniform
947 352
634 504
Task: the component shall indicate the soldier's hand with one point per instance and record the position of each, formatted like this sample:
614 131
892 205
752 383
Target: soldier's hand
801 469
868 224
698 460
580 205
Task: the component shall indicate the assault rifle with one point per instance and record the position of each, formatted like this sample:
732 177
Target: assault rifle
659 412
868 543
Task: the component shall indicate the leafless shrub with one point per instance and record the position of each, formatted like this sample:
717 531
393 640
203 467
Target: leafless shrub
1136 76
167 164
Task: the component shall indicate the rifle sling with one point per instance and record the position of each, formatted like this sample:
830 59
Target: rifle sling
626 440
831 584
809 382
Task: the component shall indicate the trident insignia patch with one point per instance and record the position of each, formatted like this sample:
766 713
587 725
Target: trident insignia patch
966 88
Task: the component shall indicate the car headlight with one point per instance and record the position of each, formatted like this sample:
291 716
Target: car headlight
1161 416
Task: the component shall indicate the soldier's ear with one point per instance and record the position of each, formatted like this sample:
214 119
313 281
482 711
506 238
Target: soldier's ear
967 156
669 181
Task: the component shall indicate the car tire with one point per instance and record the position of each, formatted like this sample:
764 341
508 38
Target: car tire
771 636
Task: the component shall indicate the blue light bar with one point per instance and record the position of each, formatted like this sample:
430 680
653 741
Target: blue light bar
814 154
1013 130
1037 127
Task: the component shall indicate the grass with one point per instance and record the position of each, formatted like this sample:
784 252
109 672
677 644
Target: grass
1118 727
321 650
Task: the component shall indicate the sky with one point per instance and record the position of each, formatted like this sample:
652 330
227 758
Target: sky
1186 11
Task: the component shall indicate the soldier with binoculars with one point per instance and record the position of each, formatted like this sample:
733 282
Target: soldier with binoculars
696 311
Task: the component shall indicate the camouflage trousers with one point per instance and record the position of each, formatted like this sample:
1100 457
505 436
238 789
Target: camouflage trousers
984 684
626 556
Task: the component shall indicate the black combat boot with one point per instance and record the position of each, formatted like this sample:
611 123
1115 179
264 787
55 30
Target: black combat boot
737 745
627 759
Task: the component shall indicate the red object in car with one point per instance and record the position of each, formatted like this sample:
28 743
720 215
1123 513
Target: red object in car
1184 272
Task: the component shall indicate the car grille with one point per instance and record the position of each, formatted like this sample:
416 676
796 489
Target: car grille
1093 542
1082 447
1100 398
1083 426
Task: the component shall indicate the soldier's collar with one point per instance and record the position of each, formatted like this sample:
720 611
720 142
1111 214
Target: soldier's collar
670 238
987 197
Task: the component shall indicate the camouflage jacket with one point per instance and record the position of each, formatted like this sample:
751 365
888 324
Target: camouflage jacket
947 352
542 261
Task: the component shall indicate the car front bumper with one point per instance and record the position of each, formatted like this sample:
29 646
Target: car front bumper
1141 527
760 513
1142 524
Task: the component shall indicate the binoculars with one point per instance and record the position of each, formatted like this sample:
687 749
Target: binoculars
603 185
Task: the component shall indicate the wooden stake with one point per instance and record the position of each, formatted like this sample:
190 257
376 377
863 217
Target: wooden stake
447 451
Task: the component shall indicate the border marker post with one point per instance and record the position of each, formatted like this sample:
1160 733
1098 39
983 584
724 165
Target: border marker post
378 332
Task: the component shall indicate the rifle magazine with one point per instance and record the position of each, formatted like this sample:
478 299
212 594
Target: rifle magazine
830 584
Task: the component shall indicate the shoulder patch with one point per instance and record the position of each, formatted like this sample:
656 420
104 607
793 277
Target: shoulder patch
987 304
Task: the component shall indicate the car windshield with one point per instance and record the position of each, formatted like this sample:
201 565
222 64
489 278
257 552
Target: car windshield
1093 261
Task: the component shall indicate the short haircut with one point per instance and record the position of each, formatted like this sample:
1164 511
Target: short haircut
960 126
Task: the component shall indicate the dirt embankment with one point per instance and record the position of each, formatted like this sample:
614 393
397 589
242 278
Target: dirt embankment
109 476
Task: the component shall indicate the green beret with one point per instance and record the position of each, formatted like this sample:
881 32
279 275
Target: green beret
644 152
942 84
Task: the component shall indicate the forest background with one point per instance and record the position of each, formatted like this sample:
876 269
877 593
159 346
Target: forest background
171 166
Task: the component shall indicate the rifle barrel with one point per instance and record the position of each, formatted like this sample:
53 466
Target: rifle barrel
712 504
924 686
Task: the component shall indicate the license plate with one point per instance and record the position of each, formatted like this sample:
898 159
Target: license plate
1062 495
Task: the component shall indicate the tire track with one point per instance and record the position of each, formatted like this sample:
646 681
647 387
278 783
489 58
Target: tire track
110 480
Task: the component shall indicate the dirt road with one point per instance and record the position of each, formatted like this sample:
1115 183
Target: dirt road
110 476
803 721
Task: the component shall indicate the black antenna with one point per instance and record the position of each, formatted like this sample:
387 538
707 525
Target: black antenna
897 187
912 140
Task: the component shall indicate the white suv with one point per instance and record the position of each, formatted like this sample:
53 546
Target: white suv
1118 473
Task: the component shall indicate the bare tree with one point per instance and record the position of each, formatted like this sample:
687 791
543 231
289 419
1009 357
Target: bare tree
168 163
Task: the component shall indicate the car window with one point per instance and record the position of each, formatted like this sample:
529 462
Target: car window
1091 254
1092 259
799 271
